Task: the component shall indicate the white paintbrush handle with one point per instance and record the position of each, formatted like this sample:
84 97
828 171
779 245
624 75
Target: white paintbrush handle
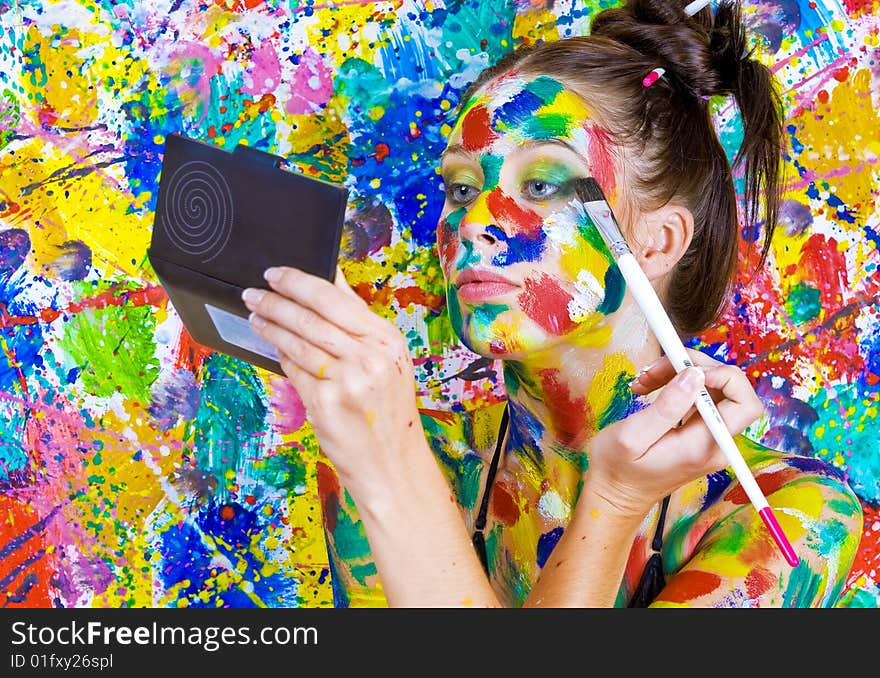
643 292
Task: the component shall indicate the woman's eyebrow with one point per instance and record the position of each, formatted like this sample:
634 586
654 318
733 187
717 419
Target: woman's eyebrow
455 149
552 141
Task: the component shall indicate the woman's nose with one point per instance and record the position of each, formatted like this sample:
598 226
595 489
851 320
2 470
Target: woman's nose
478 226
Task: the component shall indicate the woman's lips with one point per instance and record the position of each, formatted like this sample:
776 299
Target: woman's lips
475 285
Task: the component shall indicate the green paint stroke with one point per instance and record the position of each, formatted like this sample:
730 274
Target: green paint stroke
461 471
828 538
548 126
10 117
621 400
803 585
350 543
454 307
483 317
440 330
615 287
231 417
491 165
545 88
115 348
284 470
589 231
803 303
454 218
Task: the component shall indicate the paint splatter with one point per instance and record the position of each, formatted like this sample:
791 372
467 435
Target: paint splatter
138 468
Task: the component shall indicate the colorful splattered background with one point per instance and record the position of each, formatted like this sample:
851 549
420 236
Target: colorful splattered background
139 469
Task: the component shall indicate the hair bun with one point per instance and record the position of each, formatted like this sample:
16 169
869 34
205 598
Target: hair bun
728 44
703 51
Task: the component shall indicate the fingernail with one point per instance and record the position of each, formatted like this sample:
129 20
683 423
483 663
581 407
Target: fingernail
252 296
257 321
691 379
647 367
272 274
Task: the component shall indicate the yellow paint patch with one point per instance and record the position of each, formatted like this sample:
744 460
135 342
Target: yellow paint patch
842 135
486 423
803 498
62 90
532 26
359 26
602 389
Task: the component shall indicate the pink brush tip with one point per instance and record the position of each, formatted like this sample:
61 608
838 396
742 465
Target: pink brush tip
784 545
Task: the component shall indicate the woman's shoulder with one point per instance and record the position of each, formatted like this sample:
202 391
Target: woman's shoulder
780 468
797 484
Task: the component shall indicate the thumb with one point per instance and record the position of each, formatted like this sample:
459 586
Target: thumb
675 400
342 283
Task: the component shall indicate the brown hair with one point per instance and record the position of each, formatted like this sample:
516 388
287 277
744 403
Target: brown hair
666 133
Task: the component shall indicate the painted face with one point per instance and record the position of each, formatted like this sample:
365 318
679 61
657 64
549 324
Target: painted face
525 266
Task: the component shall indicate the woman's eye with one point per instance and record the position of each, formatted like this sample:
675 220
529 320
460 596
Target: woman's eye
536 189
460 193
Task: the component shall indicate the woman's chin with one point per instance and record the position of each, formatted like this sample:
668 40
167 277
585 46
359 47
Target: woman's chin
497 348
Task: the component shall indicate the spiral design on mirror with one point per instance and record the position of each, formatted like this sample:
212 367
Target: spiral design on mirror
198 210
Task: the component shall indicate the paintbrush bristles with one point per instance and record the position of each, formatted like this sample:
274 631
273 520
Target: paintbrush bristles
588 190
599 211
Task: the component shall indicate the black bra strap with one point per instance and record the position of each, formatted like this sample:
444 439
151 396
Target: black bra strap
652 580
478 539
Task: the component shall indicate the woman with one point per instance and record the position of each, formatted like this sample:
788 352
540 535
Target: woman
600 464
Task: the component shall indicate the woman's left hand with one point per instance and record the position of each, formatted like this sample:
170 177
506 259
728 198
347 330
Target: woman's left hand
352 370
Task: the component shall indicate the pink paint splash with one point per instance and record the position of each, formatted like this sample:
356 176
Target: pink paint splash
311 85
265 71
287 405
210 64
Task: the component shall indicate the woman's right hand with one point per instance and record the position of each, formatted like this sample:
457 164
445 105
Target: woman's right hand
638 460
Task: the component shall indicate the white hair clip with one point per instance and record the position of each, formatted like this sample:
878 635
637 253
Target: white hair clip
695 6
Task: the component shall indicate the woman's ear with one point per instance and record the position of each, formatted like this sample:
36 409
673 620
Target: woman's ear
661 238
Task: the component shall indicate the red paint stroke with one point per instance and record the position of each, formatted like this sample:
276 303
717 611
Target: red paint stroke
382 151
635 563
476 129
328 491
26 569
867 561
858 7
545 302
602 158
759 581
503 506
153 295
416 295
190 354
440 415
768 482
506 210
569 416
373 294
688 585
822 264
447 243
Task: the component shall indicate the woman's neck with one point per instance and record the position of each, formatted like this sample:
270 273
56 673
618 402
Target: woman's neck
560 396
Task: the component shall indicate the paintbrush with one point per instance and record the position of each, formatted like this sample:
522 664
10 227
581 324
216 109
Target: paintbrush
599 211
